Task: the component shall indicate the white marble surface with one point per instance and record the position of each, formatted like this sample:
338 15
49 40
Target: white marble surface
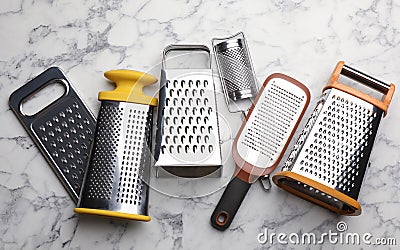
303 39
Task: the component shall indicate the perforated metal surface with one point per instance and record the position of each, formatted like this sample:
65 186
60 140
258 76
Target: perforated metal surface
236 69
336 143
66 133
118 169
188 126
271 123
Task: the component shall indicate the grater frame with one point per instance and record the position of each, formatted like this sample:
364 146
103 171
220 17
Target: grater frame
344 120
236 71
187 137
67 152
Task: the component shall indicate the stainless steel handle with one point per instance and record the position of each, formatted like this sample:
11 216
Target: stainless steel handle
365 79
185 47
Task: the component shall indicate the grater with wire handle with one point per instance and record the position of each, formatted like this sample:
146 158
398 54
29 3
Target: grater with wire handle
118 172
236 71
261 141
328 162
187 140
63 131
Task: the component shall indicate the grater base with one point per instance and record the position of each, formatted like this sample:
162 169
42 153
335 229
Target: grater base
317 193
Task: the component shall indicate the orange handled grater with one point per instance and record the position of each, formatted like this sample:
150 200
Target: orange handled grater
328 163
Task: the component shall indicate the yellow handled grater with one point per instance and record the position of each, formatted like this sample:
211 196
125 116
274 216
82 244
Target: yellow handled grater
115 184
328 163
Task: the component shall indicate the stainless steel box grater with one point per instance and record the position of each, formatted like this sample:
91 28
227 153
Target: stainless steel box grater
236 71
118 172
328 163
63 131
187 140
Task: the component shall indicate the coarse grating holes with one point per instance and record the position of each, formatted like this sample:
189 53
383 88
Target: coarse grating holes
103 162
339 143
189 117
57 133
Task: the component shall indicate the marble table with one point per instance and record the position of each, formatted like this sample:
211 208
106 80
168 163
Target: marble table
304 39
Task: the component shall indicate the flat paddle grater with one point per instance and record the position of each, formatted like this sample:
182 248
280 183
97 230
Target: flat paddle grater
116 181
63 131
262 140
187 140
236 72
328 163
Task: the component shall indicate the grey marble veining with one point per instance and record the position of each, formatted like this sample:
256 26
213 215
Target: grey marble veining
303 39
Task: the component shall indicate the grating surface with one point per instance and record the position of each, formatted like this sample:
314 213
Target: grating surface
236 71
137 133
271 122
189 124
121 159
104 160
66 133
338 146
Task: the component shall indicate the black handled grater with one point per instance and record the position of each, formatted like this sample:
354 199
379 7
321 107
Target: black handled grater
262 140
328 163
63 131
116 181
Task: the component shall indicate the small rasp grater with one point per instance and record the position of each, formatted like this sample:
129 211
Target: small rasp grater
116 183
328 163
187 140
63 131
262 140
236 71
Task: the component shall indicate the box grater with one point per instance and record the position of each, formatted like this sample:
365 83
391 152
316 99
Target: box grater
236 71
63 131
187 140
116 181
328 163
262 140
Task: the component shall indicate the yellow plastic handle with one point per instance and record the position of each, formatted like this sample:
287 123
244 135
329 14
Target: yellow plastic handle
129 87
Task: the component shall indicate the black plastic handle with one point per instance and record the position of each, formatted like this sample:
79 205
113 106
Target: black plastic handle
365 79
229 203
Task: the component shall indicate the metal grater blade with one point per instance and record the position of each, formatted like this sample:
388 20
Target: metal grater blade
338 146
63 130
327 164
187 141
262 140
271 122
121 154
236 71
66 135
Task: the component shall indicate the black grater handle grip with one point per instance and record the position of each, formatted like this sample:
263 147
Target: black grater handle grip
365 79
229 203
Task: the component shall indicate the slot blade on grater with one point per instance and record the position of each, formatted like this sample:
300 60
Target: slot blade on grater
262 140
63 130
187 139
